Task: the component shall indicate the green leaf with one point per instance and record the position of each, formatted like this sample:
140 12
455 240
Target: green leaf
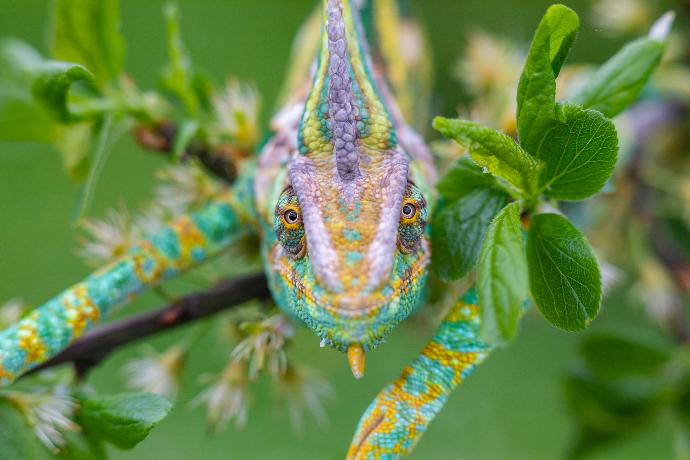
502 276
74 143
620 80
676 231
88 32
24 118
178 76
52 86
35 88
495 151
536 106
21 118
185 135
463 178
580 154
459 229
17 441
615 355
564 276
611 407
683 404
125 419
606 411
79 446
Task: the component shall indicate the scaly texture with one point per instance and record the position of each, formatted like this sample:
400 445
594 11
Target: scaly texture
402 411
50 328
347 266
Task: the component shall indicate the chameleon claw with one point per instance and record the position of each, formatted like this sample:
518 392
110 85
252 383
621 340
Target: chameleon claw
356 359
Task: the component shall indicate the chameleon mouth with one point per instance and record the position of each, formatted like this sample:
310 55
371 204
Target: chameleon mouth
349 306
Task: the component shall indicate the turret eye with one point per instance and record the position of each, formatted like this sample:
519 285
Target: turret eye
413 215
409 211
288 225
291 216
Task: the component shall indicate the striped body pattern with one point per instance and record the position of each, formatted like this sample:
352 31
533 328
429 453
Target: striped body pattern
402 411
186 242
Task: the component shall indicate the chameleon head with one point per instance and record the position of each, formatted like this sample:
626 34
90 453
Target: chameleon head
352 250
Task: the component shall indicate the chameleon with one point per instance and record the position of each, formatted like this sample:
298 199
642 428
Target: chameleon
341 198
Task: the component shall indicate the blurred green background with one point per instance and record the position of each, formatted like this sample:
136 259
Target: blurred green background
511 408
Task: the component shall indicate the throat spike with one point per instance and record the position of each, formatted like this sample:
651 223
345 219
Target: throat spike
357 360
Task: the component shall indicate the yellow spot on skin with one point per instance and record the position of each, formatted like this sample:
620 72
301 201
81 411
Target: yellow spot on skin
356 359
152 260
31 343
79 314
4 375
190 237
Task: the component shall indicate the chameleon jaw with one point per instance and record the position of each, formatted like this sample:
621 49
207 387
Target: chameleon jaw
298 294
346 306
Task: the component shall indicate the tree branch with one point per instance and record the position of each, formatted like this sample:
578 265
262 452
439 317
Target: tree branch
219 161
96 345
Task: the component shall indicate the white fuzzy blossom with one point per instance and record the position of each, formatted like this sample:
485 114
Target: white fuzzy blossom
489 64
490 69
237 109
611 276
109 238
227 398
263 345
49 414
184 188
655 289
622 16
10 312
303 390
152 220
156 373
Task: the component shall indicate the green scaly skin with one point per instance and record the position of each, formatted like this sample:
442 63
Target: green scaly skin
339 196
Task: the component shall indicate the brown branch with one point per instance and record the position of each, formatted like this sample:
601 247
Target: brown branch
96 345
219 160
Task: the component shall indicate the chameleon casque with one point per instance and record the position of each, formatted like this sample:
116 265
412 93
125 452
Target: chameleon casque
340 196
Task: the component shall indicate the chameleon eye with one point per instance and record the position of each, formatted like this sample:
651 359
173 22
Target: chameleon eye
413 215
291 216
288 225
409 210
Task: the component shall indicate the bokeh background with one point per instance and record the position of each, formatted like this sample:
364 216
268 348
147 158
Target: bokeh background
512 407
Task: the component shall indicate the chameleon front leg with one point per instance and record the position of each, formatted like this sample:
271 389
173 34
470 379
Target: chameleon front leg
185 243
395 421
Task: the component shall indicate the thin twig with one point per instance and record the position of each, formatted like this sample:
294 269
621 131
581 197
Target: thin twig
219 161
95 346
